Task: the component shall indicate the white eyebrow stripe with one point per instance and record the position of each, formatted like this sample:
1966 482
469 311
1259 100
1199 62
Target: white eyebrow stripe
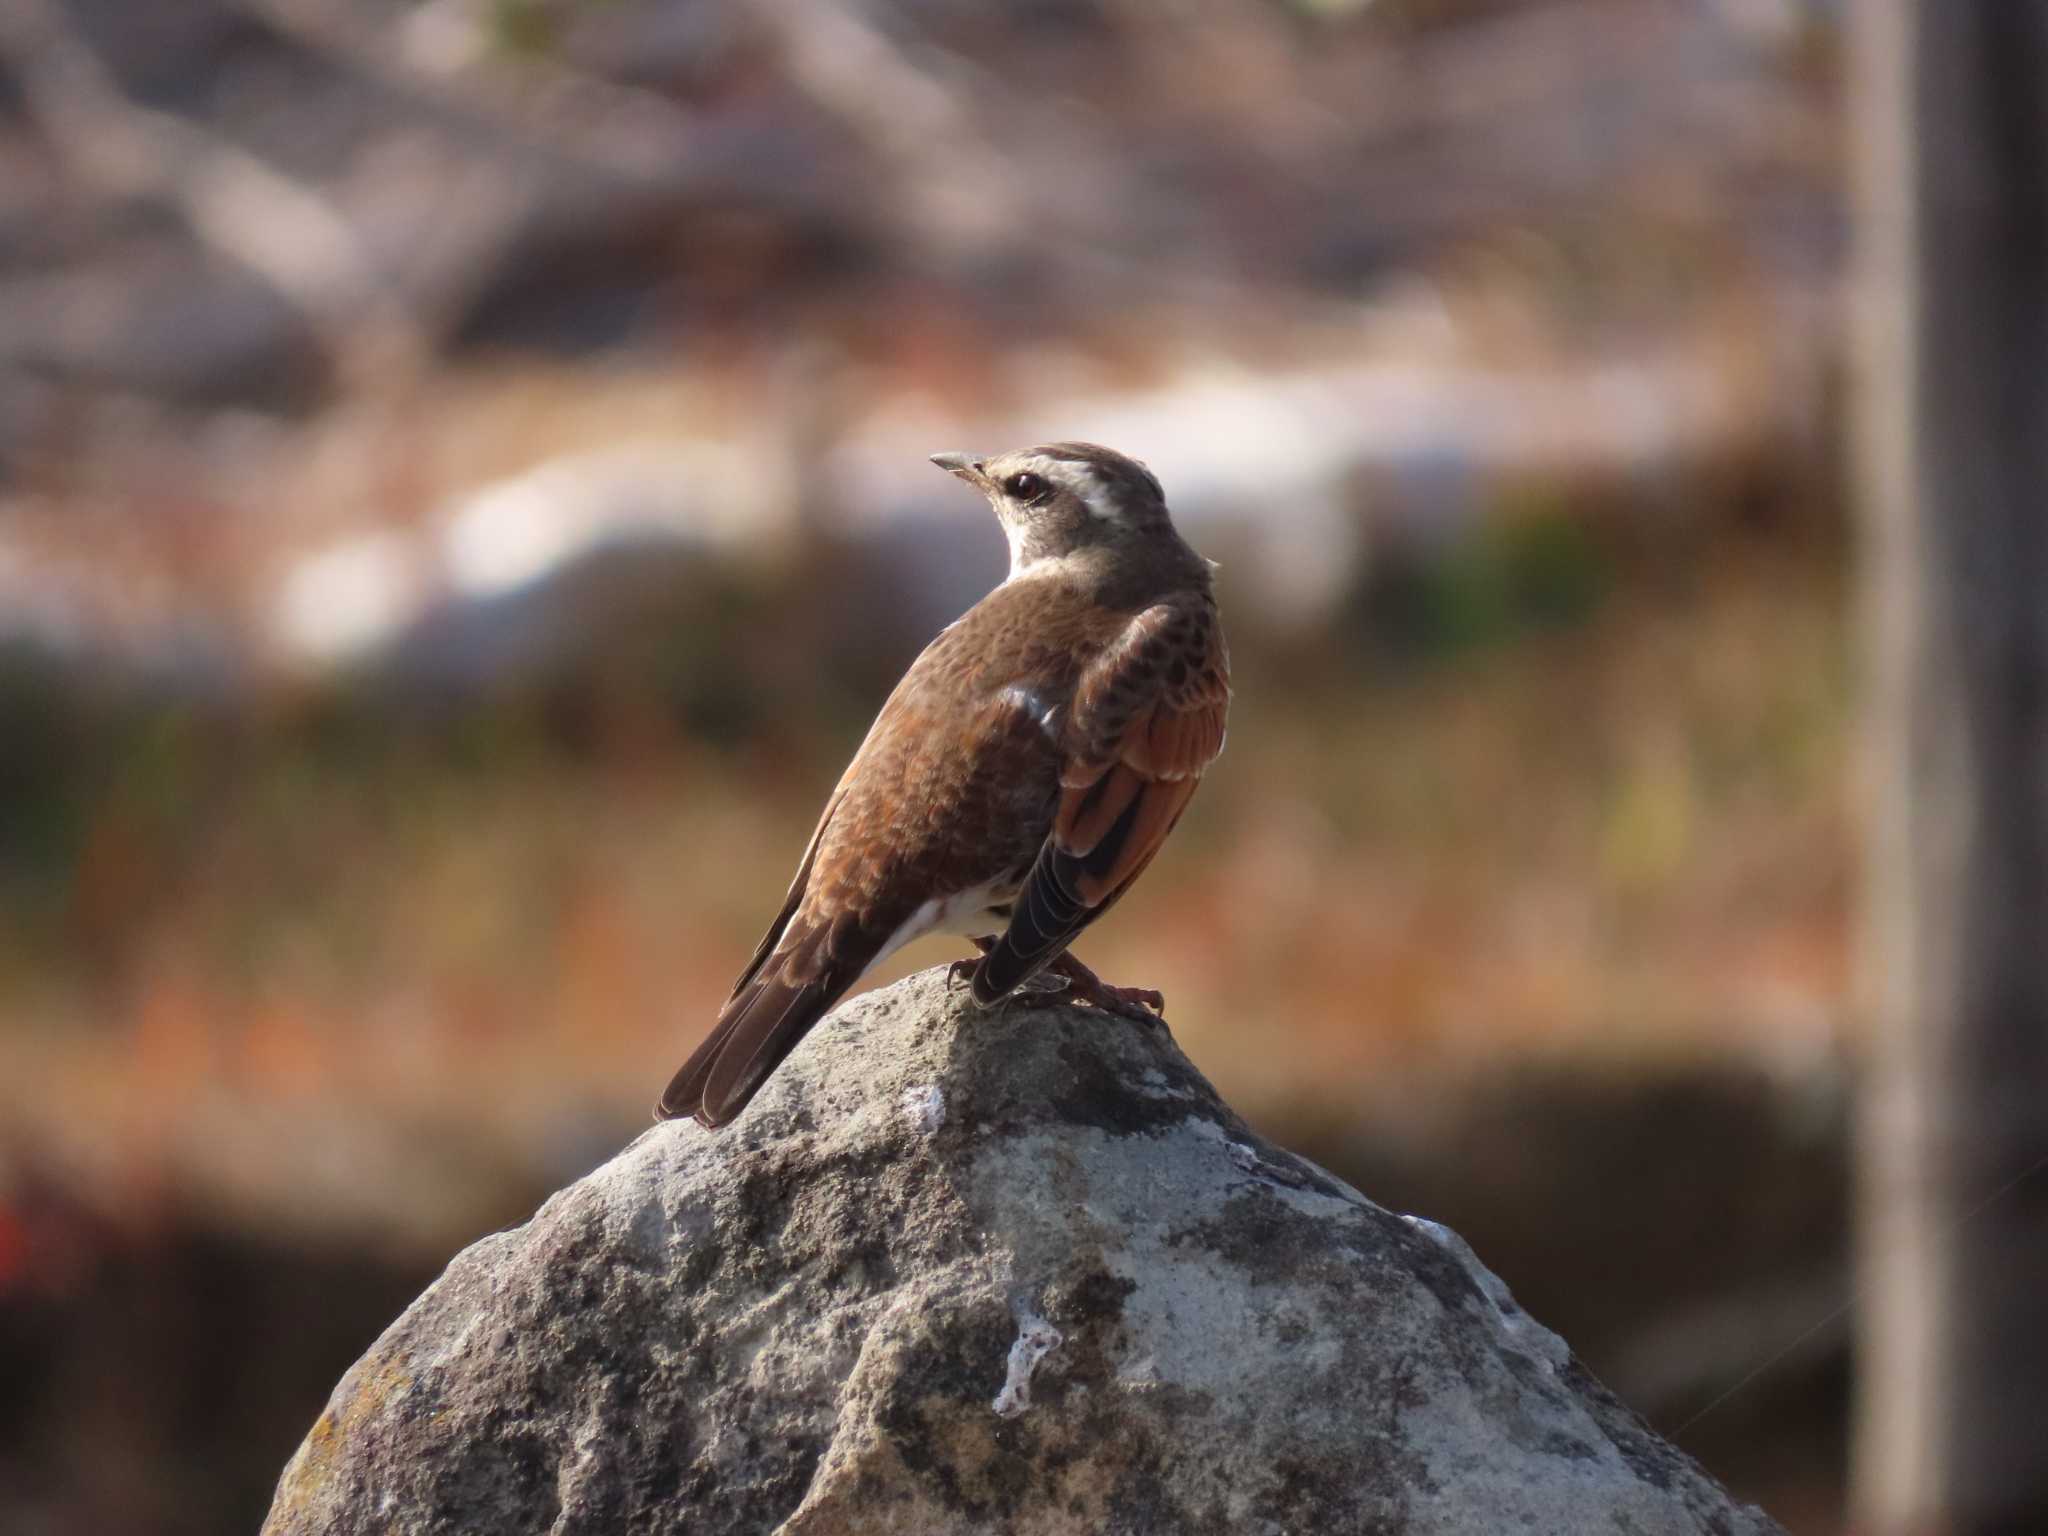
1053 469
1081 479
1097 495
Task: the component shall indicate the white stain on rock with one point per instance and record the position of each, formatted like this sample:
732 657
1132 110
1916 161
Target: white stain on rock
1036 1338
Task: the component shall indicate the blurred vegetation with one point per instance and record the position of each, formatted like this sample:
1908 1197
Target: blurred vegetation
1558 710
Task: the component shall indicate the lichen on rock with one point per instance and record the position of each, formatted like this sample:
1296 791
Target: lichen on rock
957 1272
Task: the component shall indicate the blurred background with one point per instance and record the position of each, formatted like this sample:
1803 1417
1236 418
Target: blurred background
463 496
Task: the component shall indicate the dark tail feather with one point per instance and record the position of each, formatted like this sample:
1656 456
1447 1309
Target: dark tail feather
1047 915
774 1009
1052 909
1050 912
758 1028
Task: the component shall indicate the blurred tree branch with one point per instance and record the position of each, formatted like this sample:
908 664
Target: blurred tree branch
233 201
562 116
618 146
953 184
378 314
534 159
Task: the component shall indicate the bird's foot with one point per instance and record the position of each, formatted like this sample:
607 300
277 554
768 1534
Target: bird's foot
1141 1005
1067 980
963 970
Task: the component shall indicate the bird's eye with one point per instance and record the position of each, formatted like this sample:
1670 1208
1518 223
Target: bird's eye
1025 486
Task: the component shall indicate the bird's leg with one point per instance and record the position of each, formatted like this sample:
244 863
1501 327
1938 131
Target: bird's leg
1080 984
963 970
1040 988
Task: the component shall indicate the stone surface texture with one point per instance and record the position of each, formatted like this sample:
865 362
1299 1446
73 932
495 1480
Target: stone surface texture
1016 1272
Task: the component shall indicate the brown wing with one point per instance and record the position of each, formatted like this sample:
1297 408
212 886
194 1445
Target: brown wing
1148 717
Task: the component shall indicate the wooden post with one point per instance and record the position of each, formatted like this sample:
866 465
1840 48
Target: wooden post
1951 143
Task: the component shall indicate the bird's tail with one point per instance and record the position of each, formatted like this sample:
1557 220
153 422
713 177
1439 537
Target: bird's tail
771 1011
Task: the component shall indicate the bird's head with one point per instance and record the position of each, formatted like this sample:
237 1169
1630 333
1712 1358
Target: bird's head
1063 499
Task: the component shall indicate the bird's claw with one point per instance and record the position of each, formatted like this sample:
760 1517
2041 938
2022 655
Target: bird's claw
1141 1005
963 970
1067 980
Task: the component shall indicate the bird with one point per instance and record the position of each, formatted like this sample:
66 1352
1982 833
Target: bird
1019 778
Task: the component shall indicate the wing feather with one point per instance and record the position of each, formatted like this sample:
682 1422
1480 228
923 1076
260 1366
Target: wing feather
1148 717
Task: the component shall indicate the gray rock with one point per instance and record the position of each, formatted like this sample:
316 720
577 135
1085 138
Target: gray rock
1018 1272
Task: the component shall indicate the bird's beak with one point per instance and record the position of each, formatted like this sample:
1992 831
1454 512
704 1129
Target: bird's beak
965 465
